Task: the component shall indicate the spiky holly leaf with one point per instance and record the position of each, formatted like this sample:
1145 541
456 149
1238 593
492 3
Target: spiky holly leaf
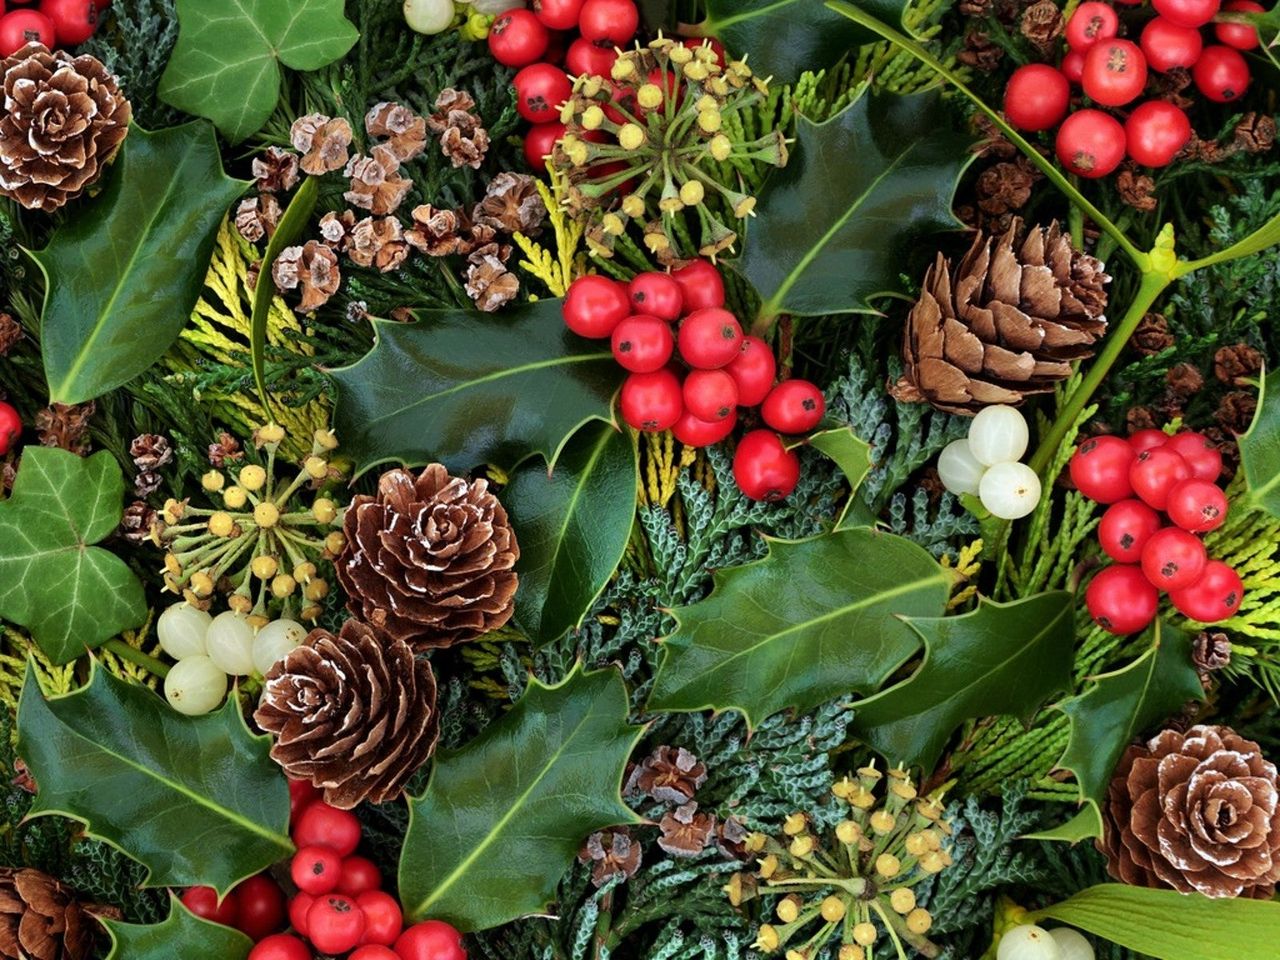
851 454
812 620
1002 658
1260 451
199 939
503 817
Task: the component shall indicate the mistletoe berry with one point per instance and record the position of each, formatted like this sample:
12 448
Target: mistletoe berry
958 469
651 402
10 427
1028 942
764 468
793 406
1173 559
1009 490
195 685
1121 600
998 434
1215 596
710 338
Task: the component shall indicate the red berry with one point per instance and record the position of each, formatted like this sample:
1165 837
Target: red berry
701 284
1173 559
334 923
1197 505
1155 132
657 294
518 38
1147 438
753 369
586 59
1221 73
793 406
373 951
357 875
540 90
1125 529
1242 36
302 793
558 14
1100 469
315 870
693 432
642 344
431 940
1155 472
763 468
1092 21
74 21
612 22
1215 596
280 946
261 903
1120 600
1167 45
10 427
1187 13
651 401
710 395
203 902
1072 66
595 305
1199 451
539 142
1115 71
1090 143
382 917
298 907
1036 97
710 338
20 27
324 826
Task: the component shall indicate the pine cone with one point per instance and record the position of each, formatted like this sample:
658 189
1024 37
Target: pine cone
430 559
10 334
1196 811
378 242
64 425
489 283
406 132
511 204
376 183
355 714
65 117
1002 324
39 920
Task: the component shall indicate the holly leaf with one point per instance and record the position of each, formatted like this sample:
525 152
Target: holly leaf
1002 658
502 818
200 939
226 63
196 800
812 620
1117 708
1260 451
848 452
824 242
463 388
72 596
573 524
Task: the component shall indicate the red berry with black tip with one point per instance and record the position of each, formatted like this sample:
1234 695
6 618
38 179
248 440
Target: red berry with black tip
1214 597
1121 600
431 940
517 38
710 395
1091 22
1090 143
694 432
1168 46
1155 472
1146 439
642 344
324 826
558 14
710 338
586 59
335 923
1221 73
612 22
1197 506
764 468
793 406
1036 97
74 21
315 870
1125 529
20 27
701 284
540 90
1100 469
657 294
651 402
1199 452
1242 36
1173 559
753 369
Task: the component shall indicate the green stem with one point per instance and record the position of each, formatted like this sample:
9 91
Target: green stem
136 657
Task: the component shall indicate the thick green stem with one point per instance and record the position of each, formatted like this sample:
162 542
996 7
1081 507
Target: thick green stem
136 657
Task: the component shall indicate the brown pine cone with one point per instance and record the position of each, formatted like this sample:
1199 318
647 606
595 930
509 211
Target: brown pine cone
406 132
354 714
1003 323
511 204
39 919
430 560
64 120
1198 812
64 425
10 333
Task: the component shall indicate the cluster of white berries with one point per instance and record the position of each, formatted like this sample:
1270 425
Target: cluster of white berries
209 650
985 464
1029 942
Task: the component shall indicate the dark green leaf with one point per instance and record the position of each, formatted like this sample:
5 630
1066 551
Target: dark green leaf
831 233
71 595
1002 658
1260 452
226 65
851 454
196 800
123 273
812 620
199 939
573 525
503 817
462 388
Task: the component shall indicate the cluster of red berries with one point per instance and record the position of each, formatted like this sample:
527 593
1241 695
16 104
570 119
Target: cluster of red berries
340 907
719 369
1163 494
1113 73
55 23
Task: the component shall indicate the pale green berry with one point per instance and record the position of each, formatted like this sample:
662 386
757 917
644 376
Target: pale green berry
959 471
998 435
230 643
1009 490
195 686
274 641
1028 942
1072 944
181 630
429 16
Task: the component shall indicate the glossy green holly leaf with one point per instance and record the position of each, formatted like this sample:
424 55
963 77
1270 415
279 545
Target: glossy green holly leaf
124 271
573 524
71 595
462 388
226 64
503 817
1260 451
812 620
199 939
1119 707
196 800
851 454
824 243
1002 658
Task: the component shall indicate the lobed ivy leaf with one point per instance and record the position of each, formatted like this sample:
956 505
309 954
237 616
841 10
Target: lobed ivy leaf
1260 451
71 595
200 939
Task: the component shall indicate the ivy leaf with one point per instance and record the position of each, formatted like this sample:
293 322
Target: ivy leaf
463 388
573 524
1260 452
196 800
502 818
823 243
200 939
123 273
1120 706
851 454
71 595
226 64
812 620
1002 658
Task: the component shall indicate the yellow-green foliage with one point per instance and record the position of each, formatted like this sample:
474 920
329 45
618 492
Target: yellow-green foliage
555 268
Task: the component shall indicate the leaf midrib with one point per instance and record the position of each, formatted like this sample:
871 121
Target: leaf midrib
717 25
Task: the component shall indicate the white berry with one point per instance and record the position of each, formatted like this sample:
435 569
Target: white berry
195 686
274 641
1009 490
1028 943
230 643
959 471
181 630
1072 944
429 16
998 435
